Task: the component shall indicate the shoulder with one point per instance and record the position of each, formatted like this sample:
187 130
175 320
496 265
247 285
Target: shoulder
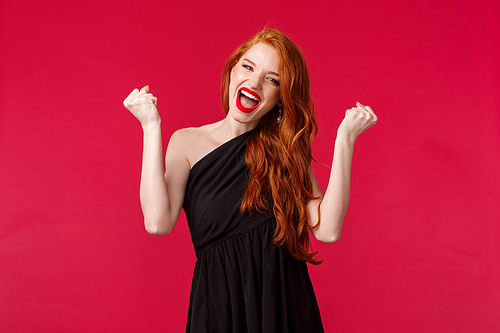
191 137
192 143
183 137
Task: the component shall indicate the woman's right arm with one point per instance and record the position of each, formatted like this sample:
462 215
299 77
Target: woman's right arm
161 194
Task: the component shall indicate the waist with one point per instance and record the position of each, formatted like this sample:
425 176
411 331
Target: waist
249 227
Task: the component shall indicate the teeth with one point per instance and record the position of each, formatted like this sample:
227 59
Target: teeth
249 95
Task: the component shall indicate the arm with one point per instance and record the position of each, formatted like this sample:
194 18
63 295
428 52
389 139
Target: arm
331 208
161 193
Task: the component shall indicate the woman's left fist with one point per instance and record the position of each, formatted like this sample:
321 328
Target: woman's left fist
357 120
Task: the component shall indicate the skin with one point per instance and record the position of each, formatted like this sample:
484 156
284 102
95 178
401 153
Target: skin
334 203
162 194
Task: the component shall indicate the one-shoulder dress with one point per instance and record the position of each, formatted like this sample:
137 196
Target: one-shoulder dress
242 281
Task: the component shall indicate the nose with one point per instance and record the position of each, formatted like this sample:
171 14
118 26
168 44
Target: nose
254 81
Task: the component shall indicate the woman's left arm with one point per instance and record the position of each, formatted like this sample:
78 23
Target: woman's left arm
331 208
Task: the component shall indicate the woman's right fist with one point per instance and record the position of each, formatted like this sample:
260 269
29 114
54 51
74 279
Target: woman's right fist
142 105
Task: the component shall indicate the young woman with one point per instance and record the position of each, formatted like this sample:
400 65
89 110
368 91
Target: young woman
248 191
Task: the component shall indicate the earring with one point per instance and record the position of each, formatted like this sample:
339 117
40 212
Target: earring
279 116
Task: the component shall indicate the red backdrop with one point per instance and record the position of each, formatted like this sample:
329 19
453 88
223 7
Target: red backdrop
420 249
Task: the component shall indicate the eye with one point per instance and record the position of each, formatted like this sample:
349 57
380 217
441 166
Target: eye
248 67
276 82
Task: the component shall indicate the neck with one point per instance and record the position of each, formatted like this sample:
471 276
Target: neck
231 128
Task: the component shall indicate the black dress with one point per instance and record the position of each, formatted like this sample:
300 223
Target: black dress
242 281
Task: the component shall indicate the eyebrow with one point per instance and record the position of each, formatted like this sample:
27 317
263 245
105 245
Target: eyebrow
253 63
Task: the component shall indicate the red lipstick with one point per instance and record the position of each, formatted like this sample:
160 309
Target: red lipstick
241 107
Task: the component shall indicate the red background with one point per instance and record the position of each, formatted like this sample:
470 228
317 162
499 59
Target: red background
420 249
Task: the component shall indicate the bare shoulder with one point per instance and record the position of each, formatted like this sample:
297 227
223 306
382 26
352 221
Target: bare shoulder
193 143
182 138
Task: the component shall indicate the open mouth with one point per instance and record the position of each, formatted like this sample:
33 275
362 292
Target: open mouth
247 100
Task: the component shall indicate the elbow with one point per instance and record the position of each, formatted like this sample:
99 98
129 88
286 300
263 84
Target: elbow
157 228
329 238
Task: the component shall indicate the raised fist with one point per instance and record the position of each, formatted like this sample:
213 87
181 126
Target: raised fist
142 104
357 120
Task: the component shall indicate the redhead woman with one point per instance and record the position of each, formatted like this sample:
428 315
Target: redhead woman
248 191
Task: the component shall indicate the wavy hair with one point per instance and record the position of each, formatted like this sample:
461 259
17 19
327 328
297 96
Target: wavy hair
279 155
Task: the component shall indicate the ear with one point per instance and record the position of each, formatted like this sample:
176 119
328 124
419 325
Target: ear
280 103
233 69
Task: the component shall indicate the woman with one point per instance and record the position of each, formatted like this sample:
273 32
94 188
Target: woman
248 190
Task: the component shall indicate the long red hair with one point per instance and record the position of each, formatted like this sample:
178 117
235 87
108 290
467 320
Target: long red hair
279 156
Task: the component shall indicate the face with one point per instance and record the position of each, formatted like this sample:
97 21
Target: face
254 86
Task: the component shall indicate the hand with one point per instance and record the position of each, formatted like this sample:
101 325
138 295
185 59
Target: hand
356 121
142 105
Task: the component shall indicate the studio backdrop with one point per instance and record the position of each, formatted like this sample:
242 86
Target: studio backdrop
420 248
